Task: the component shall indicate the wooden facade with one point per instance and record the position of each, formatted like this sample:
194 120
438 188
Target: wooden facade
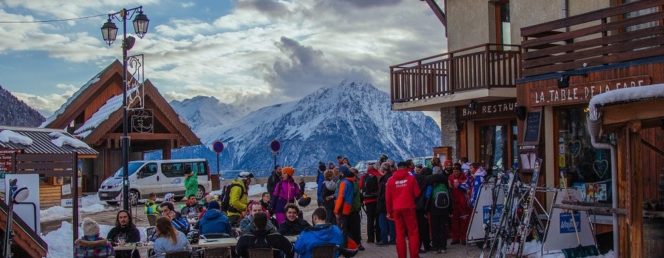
166 131
565 63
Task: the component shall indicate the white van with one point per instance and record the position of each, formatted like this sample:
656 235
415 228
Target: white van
156 176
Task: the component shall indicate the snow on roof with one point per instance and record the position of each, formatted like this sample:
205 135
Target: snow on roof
624 95
64 106
104 112
9 136
62 139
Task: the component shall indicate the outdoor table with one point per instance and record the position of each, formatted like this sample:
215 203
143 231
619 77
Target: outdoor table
216 242
131 246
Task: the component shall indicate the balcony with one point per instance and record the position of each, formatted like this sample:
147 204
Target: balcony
486 72
603 37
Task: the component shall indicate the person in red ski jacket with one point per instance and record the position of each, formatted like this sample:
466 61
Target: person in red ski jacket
370 200
400 197
460 211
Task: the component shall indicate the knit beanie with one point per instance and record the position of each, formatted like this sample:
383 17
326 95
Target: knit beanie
213 205
288 171
90 227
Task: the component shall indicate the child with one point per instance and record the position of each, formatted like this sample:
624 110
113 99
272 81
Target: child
152 209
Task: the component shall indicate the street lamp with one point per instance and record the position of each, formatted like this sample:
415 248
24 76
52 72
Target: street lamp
109 32
16 195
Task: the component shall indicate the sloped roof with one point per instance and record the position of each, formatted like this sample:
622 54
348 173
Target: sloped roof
44 141
110 115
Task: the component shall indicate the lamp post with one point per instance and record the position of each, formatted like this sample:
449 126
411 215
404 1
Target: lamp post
14 195
109 32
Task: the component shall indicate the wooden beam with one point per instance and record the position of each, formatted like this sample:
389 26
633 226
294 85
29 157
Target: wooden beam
439 12
145 136
635 211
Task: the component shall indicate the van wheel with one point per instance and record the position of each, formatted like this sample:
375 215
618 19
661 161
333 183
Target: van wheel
133 197
200 193
112 203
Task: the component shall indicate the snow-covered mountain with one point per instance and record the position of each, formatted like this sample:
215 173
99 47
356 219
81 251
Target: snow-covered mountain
351 119
14 112
204 113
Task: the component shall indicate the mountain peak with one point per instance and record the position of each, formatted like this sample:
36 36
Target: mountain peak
14 112
353 119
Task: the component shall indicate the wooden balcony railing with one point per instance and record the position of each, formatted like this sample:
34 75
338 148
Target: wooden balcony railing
478 67
605 36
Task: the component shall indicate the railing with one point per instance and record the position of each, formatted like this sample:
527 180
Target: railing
477 67
610 35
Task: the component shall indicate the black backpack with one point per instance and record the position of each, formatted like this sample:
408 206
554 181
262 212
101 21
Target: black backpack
226 197
370 186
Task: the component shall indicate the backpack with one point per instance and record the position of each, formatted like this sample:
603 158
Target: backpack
226 197
440 196
370 186
357 200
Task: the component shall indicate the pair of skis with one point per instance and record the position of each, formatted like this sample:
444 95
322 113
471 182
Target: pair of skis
504 234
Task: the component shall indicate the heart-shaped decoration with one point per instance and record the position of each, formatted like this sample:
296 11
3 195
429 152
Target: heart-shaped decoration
601 167
575 148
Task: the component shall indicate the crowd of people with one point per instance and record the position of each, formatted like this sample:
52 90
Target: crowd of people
436 198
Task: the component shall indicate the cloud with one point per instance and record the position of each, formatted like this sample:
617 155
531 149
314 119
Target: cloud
188 4
75 8
47 104
261 52
302 69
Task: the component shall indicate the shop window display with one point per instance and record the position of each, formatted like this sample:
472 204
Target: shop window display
580 165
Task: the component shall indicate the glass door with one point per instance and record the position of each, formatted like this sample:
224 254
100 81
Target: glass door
497 144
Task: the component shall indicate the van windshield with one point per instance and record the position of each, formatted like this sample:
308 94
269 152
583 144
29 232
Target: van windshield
133 166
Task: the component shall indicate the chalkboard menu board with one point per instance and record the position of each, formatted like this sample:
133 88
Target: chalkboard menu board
532 127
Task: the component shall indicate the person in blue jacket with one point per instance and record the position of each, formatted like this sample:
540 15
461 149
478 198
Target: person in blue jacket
478 173
214 221
321 233
320 179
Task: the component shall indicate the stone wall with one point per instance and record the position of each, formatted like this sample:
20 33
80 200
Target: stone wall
448 129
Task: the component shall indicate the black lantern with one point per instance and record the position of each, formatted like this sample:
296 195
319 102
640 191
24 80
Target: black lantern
109 31
141 24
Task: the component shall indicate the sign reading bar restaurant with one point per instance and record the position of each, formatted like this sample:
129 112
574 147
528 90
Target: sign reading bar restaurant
581 93
487 110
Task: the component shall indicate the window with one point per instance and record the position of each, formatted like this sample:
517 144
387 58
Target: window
502 22
149 170
583 167
173 169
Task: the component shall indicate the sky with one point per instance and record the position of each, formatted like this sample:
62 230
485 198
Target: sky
243 52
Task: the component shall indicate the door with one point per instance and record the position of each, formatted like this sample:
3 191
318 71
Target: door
147 180
497 144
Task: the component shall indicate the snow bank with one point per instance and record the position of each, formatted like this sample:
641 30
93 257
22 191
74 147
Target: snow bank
257 189
624 95
63 139
89 204
60 243
10 136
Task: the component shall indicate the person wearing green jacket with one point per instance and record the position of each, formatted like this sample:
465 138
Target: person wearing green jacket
190 182
152 209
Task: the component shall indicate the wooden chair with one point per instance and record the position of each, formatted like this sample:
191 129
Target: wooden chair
179 254
324 251
261 253
218 252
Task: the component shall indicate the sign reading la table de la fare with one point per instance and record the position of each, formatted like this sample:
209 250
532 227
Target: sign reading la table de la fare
581 93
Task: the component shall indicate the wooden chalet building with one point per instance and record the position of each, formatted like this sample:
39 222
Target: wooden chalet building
518 76
94 115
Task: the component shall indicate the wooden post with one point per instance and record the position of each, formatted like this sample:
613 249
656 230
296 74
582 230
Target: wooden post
74 191
634 174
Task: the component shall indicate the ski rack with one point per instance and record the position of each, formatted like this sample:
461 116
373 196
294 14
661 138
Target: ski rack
516 222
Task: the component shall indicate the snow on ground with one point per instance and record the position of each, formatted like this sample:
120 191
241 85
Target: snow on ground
60 243
533 248
255 189
311 186
89 204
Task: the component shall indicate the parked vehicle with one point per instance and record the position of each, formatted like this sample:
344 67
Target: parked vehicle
156 176
424 161
363 165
